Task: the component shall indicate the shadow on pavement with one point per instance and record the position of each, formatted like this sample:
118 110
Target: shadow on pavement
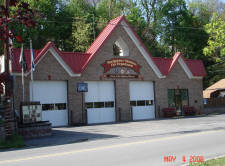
61 137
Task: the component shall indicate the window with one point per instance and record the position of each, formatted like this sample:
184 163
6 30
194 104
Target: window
60 106
133 103
141 103
171 97
149 102
109 104
116 50
120 48
177 97
98 104
46 107
89 105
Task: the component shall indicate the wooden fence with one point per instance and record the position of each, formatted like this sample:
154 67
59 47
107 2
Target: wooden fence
215 102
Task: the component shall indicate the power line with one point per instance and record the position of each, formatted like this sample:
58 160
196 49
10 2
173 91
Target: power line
101 22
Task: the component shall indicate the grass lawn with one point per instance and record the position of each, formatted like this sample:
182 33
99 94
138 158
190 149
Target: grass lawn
214 162
12 142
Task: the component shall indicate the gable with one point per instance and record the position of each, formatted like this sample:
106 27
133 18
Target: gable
49 65
52 51
177 73
107 32
95 68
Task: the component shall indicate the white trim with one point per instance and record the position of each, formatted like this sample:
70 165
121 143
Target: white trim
197 77
142 50
187 70
58 58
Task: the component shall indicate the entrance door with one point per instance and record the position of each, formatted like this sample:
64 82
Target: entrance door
100 102
142 100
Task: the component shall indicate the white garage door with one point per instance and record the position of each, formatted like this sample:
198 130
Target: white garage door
100 102
53 98
142 100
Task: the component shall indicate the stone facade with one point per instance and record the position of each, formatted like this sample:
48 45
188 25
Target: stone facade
34 130
50 69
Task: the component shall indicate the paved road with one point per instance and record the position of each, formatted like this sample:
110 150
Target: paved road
135 143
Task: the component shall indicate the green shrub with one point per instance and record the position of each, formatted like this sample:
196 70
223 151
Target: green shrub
1 121
14 141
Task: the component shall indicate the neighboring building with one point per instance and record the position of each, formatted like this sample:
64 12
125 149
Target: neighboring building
216 90
124 81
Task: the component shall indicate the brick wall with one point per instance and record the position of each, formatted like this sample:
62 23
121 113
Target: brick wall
40 129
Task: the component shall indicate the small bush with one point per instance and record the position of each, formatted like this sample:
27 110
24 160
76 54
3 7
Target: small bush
14 141
1 121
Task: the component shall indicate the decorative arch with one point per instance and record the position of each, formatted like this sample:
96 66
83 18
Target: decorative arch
120 48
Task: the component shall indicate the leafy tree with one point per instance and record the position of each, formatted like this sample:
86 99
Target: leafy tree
13 11
215 50
56 25
81 35
204 9
216 42
202 12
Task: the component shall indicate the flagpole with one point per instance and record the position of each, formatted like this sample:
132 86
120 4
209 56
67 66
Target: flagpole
31 70
22 62
23 82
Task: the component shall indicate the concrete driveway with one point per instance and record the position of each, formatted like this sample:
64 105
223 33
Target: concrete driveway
152 128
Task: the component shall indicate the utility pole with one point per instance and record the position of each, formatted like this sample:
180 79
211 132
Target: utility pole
10 123
93 26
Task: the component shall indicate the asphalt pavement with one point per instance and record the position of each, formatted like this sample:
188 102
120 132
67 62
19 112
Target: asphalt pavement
156 142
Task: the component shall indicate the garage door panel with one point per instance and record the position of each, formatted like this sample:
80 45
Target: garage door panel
142 100
100 91
46 92
56 117
140 90
53 97
100 115
100 100
107 91
143 112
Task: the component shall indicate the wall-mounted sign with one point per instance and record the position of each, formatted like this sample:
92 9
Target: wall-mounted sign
122 76
82 87
121 62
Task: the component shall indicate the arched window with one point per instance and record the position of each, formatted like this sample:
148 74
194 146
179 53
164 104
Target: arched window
120 48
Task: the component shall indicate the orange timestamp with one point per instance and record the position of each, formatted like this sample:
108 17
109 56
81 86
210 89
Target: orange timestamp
191 159
196 159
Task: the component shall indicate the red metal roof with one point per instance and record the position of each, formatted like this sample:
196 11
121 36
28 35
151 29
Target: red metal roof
166 65
74 60
196 67
16 57
77 62
163 64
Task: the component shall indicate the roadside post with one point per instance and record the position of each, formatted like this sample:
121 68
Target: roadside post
81 88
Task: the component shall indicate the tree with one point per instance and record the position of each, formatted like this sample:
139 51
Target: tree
56 26
81 34
21 14
204 9
216 42
215 50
